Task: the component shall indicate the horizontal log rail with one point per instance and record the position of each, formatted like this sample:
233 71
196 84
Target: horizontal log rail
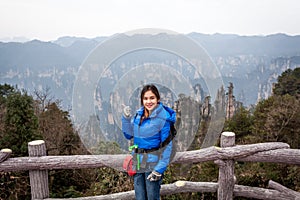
188 186
262 152
276 152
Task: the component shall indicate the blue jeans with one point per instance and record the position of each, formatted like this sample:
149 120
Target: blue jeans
145 189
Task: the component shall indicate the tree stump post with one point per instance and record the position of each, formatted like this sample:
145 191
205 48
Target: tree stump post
226 169
38 178
4 154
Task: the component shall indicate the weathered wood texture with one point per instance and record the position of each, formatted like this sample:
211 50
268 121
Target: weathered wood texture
226 169
285 190
38 178
224 157
4 154
284 156
259 193
61 162
239 152
187 186
167 189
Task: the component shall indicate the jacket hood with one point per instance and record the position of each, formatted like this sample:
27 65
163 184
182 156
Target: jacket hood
157 112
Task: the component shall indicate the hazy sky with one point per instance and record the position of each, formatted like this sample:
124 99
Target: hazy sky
49 19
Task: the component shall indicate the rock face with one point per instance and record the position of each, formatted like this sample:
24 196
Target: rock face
251 63
249 66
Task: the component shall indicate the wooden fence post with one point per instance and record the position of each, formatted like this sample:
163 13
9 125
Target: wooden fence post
38 178
226 169
4 154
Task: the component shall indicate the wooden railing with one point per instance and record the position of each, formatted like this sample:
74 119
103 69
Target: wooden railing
225 156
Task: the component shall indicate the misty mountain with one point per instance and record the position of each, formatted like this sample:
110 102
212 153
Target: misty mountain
251 63
231 45
71 51
38 55
67 41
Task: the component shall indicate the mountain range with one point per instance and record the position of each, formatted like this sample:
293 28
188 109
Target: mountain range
251 63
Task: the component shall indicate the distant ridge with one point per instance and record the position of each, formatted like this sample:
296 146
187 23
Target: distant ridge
66 51
251 63
230 44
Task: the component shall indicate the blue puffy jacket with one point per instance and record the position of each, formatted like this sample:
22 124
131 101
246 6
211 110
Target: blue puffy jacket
151 133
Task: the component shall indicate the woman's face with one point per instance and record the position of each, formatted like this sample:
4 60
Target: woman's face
150 100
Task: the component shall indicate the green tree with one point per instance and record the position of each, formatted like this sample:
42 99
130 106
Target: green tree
18 126
19 122
288 83
57 130
241 124
61 139
5 90
277 119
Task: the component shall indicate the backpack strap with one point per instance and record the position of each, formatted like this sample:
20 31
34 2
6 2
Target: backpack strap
171 136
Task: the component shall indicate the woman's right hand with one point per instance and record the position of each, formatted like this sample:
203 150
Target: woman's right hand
127 111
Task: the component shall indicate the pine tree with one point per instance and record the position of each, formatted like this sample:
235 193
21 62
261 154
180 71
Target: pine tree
288 83
18 120
18 126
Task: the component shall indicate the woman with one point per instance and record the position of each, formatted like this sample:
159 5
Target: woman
149 128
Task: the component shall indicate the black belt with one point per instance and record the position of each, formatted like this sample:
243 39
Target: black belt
163 144
140 150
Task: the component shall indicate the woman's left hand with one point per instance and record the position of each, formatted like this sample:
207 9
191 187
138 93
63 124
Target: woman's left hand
154 176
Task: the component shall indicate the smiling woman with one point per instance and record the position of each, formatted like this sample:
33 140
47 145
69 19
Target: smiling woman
149 128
